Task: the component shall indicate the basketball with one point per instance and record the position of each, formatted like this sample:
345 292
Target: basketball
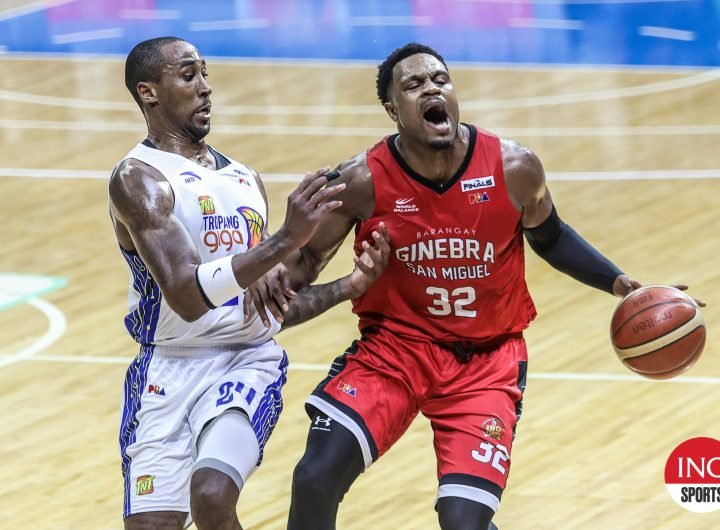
658 331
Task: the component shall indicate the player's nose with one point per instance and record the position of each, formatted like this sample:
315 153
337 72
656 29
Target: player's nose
430 88
205 88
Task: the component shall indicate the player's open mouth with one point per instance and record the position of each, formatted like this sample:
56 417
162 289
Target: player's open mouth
436 116
204 110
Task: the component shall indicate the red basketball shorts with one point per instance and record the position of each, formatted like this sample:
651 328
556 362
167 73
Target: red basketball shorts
377 387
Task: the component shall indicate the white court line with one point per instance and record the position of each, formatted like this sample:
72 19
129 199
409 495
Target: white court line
708 76
85 36
56 329
320 367
367 132
645 69
577 176
667 33
31 7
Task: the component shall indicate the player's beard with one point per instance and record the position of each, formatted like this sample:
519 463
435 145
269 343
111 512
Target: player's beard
444 143
198 133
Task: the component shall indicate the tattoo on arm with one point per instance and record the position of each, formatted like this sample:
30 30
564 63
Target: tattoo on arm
315 300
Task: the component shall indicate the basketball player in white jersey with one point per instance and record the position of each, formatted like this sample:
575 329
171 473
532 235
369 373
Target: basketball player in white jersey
203 395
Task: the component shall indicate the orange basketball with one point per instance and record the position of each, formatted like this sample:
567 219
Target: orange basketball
658 331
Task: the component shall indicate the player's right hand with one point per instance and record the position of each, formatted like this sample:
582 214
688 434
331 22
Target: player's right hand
272 293
307 206
624 285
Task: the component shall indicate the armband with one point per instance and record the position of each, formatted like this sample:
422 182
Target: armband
216 281
564 249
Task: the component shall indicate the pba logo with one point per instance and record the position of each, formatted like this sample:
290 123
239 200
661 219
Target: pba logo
349 390
692 474
154 389
207 206
476 198
144 485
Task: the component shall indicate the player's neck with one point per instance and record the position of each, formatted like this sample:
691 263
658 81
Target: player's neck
437 165
194 150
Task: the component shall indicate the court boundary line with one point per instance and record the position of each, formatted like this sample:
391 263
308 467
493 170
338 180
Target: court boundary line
365 132
322 367
688 81
661 69
568 176
57 324
58 282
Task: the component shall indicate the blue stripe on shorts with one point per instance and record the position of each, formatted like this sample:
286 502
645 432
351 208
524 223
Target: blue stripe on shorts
135 381
269 409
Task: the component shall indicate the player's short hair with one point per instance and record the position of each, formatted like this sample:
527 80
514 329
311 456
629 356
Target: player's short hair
144 63
385 70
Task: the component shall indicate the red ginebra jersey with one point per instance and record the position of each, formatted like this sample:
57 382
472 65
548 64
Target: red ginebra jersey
457 267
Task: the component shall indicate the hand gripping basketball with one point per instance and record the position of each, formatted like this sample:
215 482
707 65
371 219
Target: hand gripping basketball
658 331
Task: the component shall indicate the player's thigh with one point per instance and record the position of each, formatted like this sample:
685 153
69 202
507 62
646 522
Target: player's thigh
371 400
474 428
251 383
474 450
155 439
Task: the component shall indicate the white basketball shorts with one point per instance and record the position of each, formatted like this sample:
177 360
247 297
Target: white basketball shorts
170 394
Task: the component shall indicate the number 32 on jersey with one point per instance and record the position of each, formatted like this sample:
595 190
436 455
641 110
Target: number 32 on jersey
453 302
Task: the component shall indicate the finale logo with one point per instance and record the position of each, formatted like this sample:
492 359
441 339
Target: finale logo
692 474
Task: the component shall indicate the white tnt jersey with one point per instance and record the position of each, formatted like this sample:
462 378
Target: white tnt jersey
224 212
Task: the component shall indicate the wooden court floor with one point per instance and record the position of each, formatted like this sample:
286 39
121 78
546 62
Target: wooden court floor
633 163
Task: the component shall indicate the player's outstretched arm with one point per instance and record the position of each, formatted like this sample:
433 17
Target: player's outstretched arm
142 201
551 238
275 289
316 299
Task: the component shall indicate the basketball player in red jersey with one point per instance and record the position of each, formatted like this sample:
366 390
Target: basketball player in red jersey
442 327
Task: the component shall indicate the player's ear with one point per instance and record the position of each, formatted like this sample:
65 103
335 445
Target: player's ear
147 92
391 110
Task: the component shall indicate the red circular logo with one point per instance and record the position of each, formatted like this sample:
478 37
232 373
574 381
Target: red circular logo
692 474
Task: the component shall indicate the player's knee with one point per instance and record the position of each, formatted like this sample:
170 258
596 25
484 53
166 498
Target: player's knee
213 497
312 478
456 513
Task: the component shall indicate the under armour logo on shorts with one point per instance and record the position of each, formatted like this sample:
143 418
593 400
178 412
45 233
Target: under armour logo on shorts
325 421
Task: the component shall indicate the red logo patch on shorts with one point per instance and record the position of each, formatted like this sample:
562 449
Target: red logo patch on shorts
349 390
492 428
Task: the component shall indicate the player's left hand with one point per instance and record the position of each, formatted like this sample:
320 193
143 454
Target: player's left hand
624 285
271 293
372 262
